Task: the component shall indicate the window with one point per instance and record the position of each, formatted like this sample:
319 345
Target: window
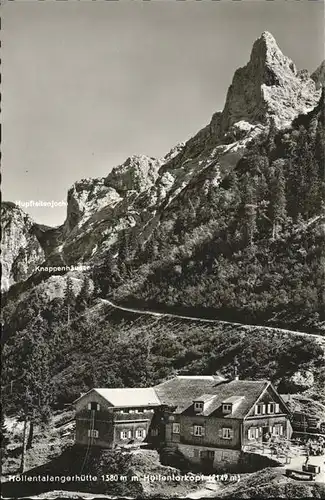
225 457
154 432
226 433
176 428
124 434
198 406
93 406
92 433
140 433
198 430
207 454
277 430
253 433
131 410
271 408
227 408
196 453
260 409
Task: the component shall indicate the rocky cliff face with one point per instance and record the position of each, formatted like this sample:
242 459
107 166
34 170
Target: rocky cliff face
319 75
20 249
143 190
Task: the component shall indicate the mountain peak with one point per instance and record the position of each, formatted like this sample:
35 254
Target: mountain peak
269 86
267 41
266 49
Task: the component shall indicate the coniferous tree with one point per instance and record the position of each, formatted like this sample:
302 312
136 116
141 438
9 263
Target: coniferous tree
151 251
313 199
138 253
103 275
123 251
234 188
32 391
249 206
69 299
83 298
304 171
3 437
270 141
320 150
278 198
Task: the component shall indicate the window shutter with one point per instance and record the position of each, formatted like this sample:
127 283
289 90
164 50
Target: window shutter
249 435
231 433
203 431
263 409
256 410
98 407
268 408
89 406
89 432
192 430
220 433
277 408
121 434
129 434
144 433
281 430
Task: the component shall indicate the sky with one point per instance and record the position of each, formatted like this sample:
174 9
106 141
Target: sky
88 84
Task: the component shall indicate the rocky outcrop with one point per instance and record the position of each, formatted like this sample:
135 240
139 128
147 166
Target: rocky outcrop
301 380
98 209
85 198
268 87
319 75
137 173
89 196
21 251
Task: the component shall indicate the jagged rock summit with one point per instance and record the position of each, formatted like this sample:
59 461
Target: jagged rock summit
268 87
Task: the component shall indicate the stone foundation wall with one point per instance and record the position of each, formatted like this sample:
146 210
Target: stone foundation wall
222 457
225 460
